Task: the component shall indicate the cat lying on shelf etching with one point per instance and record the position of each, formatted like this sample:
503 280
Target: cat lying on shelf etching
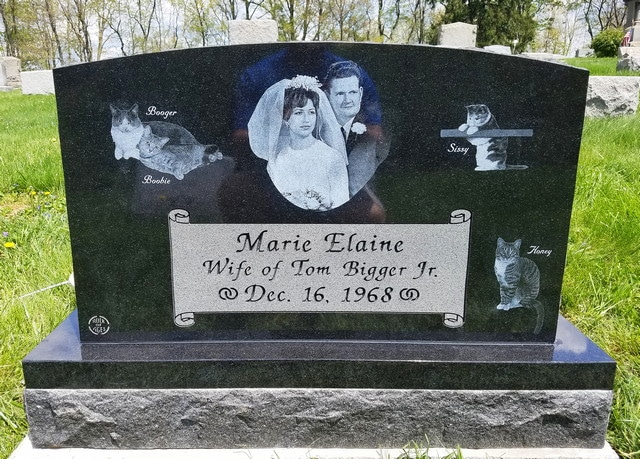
491 152
159 145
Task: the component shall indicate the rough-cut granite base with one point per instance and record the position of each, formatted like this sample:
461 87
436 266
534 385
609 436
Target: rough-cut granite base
315 418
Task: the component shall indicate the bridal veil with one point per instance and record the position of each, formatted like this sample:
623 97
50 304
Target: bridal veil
267 134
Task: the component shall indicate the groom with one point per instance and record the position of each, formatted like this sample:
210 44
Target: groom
360 125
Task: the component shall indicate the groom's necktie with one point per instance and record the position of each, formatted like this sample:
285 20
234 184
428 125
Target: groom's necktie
344 133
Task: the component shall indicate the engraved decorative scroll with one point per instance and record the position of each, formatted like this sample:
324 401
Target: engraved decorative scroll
395 269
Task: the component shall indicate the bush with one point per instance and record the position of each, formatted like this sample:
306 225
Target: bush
607 42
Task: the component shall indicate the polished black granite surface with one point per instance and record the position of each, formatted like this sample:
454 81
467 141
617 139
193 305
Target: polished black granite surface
573 362
133 285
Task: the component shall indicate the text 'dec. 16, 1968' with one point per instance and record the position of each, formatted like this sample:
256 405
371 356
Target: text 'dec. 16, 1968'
400 268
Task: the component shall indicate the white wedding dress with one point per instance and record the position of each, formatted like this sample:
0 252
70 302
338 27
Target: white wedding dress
314 178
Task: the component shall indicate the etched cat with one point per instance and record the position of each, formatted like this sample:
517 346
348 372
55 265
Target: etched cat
159 145
156 153
126 130
491 152
519 280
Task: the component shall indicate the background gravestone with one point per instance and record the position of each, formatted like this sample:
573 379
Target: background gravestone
458 35
629 52
612 96
3 79
243 32
218 278
37 82
12 71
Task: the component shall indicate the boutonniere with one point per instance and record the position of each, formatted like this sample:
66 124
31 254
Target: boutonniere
358 128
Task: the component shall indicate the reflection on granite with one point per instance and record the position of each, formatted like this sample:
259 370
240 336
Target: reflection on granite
424 169
574 362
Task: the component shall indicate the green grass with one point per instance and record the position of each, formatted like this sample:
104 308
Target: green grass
599 66
34 245
29 150
601 289
601 292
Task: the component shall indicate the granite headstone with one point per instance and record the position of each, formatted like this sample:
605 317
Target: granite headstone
314 244
187 223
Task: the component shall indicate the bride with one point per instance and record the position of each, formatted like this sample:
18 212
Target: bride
293 127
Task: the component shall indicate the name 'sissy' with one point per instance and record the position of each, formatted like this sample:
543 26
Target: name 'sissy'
454 148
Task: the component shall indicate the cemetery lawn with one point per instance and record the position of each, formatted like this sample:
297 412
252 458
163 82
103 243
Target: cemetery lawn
601 288
34 245
599 66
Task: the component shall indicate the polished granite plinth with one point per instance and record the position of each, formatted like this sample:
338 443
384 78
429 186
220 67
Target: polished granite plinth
302 394
573 362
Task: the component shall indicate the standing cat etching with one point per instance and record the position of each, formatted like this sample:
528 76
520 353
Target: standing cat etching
156 153
159 145
491 152
519 280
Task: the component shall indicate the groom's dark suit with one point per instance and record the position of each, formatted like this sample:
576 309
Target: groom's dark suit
365 152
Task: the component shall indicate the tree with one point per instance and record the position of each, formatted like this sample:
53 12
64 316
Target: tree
45 49
350 20
298 19
391 14
75 13
558 24
500 22
505 22
9 10
26 33
141 15
600 15
51 20
197 19
419 25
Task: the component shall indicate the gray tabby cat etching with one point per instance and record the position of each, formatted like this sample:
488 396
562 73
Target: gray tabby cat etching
519 280
159 145
491 152
156 153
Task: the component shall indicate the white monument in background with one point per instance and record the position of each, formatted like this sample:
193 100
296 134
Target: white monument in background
629 54
458 35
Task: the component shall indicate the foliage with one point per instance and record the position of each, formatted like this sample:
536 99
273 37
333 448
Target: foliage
29 147
600 15
607 42
508 22
51 33
34 253
34 245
